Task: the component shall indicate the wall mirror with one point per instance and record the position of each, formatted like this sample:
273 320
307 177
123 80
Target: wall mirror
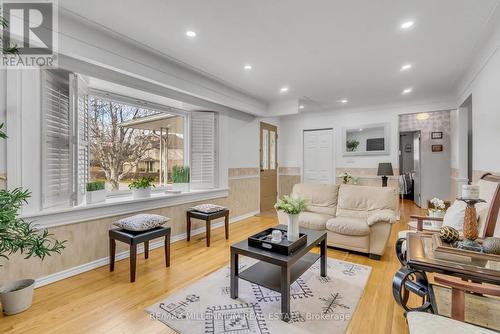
370 139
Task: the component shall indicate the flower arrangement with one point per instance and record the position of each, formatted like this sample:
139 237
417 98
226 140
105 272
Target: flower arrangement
347 177
438 204
438 209
95 185
291 205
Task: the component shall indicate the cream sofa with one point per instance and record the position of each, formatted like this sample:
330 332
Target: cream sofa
357 218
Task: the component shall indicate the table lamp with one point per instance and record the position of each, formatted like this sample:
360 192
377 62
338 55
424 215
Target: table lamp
384 169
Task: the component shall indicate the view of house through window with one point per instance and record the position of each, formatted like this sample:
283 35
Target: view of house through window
127 142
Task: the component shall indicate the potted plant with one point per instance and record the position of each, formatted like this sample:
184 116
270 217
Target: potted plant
96 192
438 209
292 206
180 178
141 188
346 177
352 145
20 236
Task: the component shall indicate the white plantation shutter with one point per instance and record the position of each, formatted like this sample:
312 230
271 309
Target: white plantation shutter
203 153
80 112
56 147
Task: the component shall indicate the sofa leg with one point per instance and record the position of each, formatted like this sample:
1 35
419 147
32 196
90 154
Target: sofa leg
375 257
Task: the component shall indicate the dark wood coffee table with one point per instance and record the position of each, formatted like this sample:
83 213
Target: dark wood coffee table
275 271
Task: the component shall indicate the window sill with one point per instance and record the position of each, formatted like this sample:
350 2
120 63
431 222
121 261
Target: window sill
118 206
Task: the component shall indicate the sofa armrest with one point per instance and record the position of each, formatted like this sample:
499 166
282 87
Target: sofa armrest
385 215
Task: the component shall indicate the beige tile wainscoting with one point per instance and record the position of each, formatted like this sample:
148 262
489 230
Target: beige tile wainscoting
87 242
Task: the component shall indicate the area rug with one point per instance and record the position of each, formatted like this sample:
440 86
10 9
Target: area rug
318 304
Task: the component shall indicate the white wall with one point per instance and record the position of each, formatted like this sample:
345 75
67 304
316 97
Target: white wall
483 82
291 131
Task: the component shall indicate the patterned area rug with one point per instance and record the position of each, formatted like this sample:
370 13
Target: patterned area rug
318 304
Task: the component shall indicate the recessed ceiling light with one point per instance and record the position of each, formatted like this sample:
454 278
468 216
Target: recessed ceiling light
407 91
190 33
284 89
247 67
406 67
301 107
344 101
407 24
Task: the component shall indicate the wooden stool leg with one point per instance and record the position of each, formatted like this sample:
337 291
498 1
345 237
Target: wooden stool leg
133 259
112 250
188 219
167 250
146 249
208 232
226 225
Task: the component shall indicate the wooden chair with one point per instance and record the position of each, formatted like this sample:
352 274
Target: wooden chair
460 287
492 215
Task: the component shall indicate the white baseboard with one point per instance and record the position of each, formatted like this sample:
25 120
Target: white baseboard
123 255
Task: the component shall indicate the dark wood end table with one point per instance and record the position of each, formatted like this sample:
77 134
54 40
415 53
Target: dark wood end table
133 238
207 217
276 271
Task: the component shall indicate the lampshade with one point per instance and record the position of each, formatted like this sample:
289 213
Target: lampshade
384 169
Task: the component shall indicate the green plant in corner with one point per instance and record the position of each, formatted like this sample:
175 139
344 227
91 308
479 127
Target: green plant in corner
180 174
96 185
291 205
18 235
142 183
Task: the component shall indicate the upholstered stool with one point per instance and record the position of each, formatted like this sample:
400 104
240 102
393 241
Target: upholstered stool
136 237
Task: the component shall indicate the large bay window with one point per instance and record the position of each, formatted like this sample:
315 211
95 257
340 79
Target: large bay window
92 135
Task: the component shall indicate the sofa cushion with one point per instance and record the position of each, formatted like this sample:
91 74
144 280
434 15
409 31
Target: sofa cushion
321 198
358 201
313 220
425 323
348 226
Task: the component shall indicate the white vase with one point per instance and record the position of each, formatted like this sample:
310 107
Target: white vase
17 296
182 187
97 196
293 227
141 193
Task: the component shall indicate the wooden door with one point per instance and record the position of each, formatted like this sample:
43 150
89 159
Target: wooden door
268 166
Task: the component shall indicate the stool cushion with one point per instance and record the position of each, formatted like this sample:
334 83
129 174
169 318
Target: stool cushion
141 222
208 208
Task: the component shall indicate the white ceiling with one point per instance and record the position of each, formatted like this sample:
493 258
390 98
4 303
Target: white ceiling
324 50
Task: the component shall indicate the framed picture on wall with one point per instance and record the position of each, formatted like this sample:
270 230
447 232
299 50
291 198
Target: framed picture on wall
437 135
437 148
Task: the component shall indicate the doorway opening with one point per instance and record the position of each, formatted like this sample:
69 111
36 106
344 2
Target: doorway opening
268 166
409 166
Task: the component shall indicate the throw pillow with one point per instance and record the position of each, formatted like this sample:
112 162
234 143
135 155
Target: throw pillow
208 208
141 222
454 216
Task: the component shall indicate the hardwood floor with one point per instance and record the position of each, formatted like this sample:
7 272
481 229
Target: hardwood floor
102 302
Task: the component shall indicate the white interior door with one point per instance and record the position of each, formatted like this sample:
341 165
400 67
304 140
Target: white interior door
318 156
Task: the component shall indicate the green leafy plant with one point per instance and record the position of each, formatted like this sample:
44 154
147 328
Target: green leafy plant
142 183
291 205
18 235
9 48
346 177
352 145
180 174
95 185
